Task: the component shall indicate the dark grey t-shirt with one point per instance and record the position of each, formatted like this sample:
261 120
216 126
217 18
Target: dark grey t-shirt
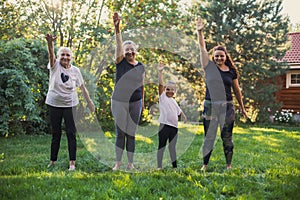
218 83
129 82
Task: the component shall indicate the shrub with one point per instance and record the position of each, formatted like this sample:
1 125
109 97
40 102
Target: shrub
23 86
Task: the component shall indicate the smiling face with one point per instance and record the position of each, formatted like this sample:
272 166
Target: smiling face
170 90
65 57
219 57
129 51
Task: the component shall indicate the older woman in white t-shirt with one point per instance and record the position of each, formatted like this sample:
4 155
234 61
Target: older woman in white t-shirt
62 98
168 119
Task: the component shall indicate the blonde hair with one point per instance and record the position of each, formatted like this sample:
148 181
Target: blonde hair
170 82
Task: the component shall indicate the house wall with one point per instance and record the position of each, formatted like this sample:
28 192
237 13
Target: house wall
290 97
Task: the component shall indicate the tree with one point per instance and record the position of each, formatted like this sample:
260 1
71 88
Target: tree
10 18
245 27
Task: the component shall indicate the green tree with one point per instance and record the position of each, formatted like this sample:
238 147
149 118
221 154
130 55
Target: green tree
10 18
255 33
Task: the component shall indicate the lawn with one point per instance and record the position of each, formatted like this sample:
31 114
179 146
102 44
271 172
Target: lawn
266 165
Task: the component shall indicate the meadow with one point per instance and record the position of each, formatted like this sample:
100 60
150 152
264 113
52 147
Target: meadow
266 165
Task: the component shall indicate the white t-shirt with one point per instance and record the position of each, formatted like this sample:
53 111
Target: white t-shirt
169 110
62 86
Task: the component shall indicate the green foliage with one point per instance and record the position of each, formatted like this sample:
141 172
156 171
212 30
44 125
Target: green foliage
243 26
10 26
105 87
23 86
265 166
76 23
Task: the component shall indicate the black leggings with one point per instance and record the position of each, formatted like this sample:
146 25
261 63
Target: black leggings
166 133
226 135
56 116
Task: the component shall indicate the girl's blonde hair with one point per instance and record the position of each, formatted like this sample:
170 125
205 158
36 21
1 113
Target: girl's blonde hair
170 82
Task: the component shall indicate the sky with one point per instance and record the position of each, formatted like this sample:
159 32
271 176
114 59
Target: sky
292 9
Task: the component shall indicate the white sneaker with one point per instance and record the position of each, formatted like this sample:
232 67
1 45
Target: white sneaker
72 168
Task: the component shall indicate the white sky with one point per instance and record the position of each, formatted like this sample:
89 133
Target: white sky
292 9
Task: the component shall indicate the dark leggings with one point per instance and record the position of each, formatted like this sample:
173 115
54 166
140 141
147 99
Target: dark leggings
166 133
218 114
56 116
226 135
127 116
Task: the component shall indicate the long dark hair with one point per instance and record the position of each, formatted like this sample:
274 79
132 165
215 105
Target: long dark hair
228 60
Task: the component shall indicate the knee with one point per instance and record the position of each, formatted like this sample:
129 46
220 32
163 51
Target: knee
130 137
228 149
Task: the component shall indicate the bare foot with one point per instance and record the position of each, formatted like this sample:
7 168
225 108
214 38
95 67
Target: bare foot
228 166
130 166
203 168
117 166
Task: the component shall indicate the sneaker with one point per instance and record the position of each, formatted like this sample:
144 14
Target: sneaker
72 168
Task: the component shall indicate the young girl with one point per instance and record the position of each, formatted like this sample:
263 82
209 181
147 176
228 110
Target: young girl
168 119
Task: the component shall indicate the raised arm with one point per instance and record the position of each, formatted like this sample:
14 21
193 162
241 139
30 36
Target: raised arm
51 54
203 52
119 49
238 96
160 79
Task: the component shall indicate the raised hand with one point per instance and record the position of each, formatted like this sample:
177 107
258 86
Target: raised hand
160 67
116 19
199 25
50 38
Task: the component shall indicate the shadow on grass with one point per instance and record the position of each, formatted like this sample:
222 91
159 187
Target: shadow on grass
265 166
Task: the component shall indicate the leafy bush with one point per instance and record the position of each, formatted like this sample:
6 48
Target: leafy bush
23 86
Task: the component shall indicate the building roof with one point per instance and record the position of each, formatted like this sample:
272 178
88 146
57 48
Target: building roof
293 54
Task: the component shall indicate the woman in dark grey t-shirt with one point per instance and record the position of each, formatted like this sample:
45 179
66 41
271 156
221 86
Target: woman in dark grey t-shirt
221 77
128 96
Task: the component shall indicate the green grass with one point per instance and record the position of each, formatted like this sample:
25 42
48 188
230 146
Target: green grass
266 165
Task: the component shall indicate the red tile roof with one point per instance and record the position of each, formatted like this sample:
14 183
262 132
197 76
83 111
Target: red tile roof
293 54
